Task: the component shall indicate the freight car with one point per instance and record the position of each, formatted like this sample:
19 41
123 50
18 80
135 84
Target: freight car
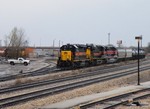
130 53
141 53
125 54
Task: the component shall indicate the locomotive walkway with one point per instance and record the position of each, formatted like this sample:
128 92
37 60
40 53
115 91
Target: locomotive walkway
76 102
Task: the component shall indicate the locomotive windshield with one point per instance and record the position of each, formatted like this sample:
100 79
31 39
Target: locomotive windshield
67 48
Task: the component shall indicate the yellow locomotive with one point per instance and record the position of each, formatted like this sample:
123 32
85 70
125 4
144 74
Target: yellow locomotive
77 55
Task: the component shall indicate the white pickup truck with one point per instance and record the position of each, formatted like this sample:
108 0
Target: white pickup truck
18 61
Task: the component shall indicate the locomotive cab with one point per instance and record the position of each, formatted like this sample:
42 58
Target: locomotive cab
71 55
66 55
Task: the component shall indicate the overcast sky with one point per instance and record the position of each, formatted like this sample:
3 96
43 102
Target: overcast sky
77 21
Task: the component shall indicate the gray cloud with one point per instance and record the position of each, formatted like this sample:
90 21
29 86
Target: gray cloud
77 21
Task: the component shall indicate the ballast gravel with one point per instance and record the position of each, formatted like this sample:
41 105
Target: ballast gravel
95 88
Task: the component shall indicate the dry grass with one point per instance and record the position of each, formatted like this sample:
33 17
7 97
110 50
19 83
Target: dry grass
20 80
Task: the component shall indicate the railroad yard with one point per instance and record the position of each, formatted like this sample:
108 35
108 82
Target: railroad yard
74 54
42 91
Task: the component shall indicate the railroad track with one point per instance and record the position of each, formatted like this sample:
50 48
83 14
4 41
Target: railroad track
42 71
58 89
52 81
122 99
45 70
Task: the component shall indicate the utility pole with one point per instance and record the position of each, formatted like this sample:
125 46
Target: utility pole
108 38
141 41
59 43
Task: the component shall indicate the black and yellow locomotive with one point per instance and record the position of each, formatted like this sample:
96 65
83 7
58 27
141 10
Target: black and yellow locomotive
77 55
73 55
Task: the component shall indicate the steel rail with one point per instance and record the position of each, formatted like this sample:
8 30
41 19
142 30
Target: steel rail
42 71
52 81
117 100
50 91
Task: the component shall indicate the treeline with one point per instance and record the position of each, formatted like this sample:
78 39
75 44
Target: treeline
15 42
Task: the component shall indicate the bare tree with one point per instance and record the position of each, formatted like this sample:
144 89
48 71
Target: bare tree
15 42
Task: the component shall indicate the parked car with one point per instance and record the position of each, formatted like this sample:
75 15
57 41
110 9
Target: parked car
18 61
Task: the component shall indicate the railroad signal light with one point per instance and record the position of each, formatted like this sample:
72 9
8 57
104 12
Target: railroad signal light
138 37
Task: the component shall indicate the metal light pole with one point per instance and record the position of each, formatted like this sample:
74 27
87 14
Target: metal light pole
138 64
59 43
138 38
